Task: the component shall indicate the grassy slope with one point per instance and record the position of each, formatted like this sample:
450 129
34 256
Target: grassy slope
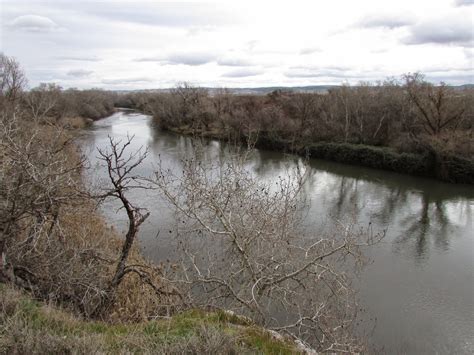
29 327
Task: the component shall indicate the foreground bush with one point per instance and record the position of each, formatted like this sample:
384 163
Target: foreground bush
52 240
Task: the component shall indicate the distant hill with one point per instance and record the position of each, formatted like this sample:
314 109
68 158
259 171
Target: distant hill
268 89
251 91
465 86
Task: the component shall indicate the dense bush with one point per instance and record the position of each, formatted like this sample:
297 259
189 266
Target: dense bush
374 157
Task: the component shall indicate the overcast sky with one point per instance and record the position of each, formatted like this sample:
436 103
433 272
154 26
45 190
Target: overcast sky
152 44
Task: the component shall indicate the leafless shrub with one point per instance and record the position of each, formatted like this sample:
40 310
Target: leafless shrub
41 102
246 249
12 78
38 177
437 107
121 165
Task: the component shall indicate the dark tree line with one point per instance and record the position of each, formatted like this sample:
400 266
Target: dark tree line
408 115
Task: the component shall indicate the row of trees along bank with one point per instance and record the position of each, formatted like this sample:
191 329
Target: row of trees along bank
407 125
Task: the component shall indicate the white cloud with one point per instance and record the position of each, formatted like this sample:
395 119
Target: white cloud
33 23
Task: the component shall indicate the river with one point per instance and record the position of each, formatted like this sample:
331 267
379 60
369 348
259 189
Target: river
419 288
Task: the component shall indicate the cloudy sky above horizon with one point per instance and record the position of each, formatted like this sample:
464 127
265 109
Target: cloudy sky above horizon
151 44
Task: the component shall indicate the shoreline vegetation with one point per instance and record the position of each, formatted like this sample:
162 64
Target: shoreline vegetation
408 126
449 168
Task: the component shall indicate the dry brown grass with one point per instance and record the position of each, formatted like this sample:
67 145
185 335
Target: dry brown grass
30 327
73 266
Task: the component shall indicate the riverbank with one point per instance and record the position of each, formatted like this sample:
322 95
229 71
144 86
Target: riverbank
31 327
447 168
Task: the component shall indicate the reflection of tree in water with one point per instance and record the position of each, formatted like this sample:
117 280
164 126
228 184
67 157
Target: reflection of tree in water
429 224
419 220
347 198
393 200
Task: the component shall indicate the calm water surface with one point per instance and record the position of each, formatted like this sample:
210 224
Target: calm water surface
419 289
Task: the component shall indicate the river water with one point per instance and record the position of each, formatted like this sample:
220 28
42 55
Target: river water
419 288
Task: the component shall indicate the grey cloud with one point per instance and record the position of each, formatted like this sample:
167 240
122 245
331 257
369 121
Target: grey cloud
234 62
463 2
42 75
453 30
185 58
250 45
242 73
469 53
391 21
336 68
310 50
197 30
33 23
150 59
79 73
165 14
80 58
318 73
190 58
120 81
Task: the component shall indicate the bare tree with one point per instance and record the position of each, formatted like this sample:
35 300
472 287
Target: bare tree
121 167
12 78
245 249
190 102
438 107
42 101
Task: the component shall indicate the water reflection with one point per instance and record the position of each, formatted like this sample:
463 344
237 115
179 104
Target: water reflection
420 285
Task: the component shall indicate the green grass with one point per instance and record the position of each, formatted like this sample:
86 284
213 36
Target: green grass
27 326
